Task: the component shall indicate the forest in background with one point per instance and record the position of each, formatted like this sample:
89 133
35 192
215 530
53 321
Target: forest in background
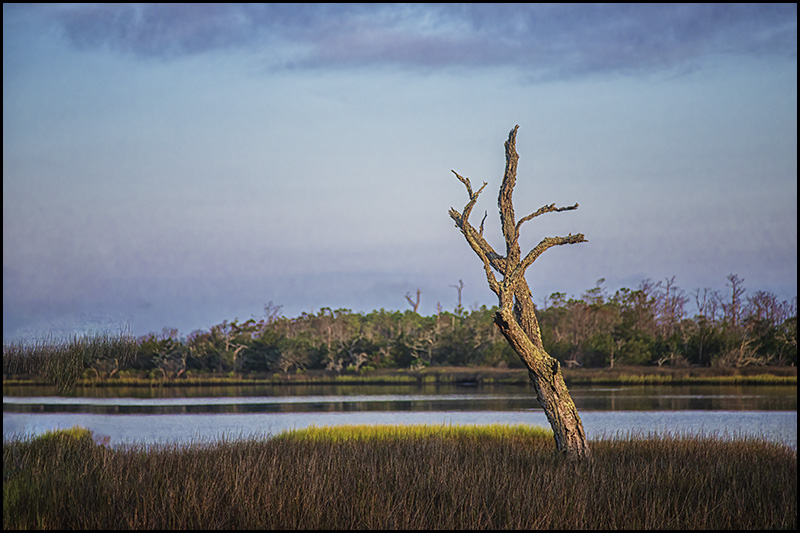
649 325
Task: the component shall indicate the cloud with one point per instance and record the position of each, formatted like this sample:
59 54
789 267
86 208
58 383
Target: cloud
543 40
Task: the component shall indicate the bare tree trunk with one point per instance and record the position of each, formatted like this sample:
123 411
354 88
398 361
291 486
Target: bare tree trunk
551 391
515 317
459 309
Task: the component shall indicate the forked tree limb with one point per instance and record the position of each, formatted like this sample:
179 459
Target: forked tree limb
473 196
484 251
511 267
474 237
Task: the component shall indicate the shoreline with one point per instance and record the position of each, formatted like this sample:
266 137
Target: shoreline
462 376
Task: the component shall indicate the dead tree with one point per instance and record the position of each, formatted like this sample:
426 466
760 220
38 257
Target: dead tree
460 287
413 303
515 317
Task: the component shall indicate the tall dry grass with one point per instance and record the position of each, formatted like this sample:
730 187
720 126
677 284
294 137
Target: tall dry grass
498 477
63 362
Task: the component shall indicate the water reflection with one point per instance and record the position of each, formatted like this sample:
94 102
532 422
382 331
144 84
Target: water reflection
686 397
354 398
270 405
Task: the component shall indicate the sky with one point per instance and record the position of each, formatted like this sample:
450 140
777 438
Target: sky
178 165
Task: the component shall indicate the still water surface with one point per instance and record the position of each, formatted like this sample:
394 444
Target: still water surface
191 414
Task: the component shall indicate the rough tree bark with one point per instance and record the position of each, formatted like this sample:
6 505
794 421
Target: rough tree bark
515 317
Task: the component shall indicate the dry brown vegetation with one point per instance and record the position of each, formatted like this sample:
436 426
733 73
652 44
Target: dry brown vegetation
392 478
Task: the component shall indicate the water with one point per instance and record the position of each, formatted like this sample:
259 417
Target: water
183 415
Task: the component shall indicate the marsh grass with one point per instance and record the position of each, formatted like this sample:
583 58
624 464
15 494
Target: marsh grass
92 360
399 477
368 432
667 379
22 365
63 362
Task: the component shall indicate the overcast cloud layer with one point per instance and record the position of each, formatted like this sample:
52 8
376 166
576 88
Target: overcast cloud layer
175 165
550 40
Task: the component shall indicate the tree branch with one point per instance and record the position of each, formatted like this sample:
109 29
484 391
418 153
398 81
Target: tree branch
547 242
541 211
473 196
475 238
504 199
490 258
482 249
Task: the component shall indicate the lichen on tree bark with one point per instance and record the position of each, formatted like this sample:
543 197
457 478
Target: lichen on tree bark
515 317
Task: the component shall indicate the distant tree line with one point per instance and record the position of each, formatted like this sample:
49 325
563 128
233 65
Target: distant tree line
645 326
649 325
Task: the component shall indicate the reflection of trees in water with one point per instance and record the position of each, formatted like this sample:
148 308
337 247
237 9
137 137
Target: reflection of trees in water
340 399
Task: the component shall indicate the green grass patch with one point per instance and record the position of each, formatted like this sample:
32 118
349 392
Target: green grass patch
415 431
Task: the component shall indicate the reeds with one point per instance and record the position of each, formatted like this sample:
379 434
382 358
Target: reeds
403 477
667 379
62 362
21 363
